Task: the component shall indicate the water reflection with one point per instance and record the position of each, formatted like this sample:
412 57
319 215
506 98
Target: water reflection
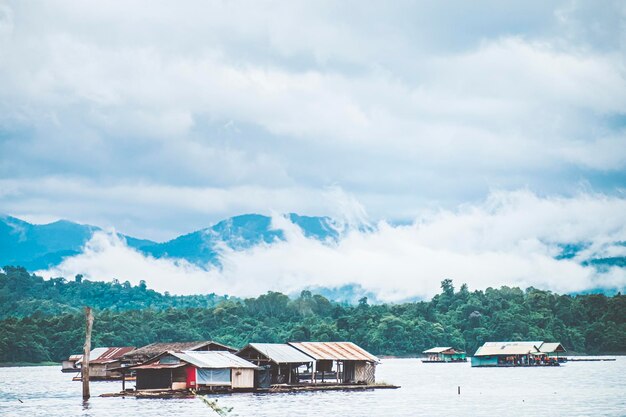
578 389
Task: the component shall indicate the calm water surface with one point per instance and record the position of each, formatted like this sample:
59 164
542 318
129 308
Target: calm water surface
575 389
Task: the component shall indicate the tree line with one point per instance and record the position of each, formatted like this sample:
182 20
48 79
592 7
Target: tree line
41 320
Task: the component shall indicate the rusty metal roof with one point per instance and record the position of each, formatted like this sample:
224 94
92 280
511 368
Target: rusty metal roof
343 351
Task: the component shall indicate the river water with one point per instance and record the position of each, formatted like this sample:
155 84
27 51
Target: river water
574 389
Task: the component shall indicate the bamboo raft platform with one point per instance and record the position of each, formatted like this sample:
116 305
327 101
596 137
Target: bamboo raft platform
271 390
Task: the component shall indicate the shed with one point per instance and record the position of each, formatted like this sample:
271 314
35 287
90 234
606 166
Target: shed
344 361
154 349
71 364
200 370
282 360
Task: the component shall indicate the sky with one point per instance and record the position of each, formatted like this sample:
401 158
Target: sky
158 118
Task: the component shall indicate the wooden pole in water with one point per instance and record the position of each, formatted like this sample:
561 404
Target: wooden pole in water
459 390
86 349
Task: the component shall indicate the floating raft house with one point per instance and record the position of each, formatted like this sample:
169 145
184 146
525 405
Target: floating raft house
508 354
444 355
195 370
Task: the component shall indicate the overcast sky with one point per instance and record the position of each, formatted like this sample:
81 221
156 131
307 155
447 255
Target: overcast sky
159 118
162 117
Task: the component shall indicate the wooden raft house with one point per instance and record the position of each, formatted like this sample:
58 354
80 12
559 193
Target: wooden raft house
273 367
343 362
510 354
279 363
195 370
444 355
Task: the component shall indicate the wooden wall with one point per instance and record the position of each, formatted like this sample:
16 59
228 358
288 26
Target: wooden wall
242 378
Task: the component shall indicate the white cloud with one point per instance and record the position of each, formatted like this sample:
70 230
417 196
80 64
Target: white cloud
510 239
130 207
159 118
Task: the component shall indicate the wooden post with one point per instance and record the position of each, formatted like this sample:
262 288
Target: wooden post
87 348
459 390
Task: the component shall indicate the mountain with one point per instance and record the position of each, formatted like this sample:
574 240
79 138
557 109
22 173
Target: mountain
41 246
238 233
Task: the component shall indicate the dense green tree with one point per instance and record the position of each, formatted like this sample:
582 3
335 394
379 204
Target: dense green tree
42 320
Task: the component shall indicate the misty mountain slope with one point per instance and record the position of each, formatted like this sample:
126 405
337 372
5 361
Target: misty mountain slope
42 246
238 233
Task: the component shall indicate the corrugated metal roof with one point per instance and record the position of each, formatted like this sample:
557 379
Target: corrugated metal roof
507 348
106 354
437 349
214 359
551 347
95 353
206 359
334 351
154 349
113 354
280 352
157 365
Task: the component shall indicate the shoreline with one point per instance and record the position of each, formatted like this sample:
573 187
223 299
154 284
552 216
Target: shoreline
31 364
27 364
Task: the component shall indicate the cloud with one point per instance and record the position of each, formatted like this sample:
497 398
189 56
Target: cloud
132 207
159 118
511 238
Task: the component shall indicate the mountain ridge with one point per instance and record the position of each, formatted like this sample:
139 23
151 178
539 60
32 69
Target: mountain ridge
43 246
38 247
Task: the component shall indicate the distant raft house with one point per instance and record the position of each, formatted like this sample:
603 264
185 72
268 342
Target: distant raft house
505 354
197 370
71 364
444 355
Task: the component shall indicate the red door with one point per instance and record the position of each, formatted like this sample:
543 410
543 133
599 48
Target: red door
191 377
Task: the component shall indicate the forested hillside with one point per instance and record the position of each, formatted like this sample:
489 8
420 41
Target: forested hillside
23 294
42 319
